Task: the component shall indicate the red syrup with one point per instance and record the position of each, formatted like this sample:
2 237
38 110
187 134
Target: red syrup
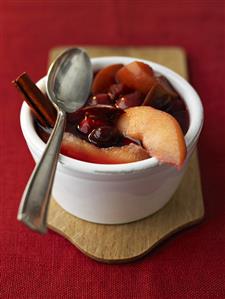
95 123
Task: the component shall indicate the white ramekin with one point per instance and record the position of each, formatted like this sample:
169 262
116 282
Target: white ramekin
119 193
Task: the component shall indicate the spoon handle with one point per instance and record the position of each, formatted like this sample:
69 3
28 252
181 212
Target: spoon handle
34 203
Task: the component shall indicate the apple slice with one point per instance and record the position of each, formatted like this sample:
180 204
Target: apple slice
77 148
137 75
105 78
158 131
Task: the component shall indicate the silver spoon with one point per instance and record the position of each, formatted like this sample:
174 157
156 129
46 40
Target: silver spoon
68 85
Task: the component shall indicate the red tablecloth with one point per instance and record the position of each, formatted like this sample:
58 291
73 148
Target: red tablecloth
189 265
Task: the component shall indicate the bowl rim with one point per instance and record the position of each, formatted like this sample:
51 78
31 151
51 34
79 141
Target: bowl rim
187 92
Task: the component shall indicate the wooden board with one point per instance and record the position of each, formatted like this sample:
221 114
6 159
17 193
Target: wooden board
126 242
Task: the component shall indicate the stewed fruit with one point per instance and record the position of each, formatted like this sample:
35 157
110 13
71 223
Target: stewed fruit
131 114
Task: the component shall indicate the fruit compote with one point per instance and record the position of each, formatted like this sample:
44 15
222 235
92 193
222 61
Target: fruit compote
131 114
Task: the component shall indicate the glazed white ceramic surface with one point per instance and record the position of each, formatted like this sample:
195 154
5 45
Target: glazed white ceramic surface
118 193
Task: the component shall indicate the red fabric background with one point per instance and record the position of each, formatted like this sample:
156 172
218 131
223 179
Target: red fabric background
189 265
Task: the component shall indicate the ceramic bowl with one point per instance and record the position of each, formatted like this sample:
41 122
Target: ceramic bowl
118 193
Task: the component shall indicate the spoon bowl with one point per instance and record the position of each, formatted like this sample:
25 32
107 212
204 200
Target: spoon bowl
69 80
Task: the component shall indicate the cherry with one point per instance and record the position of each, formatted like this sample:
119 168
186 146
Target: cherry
97 125
116 90
100 98
105 112
104 136
89 123
84 126
130 100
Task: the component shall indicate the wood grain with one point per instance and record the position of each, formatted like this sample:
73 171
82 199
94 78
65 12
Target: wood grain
126 242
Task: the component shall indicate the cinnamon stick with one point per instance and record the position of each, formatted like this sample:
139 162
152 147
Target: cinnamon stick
39 103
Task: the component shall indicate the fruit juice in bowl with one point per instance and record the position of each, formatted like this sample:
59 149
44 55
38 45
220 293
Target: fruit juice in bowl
114 169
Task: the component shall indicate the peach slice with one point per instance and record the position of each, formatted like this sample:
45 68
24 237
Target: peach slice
137 75
158 131
77 148
105 78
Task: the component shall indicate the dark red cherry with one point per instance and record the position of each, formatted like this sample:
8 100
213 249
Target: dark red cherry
90 123
130 100
84 126
117 90
105 112
100 99
104 136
